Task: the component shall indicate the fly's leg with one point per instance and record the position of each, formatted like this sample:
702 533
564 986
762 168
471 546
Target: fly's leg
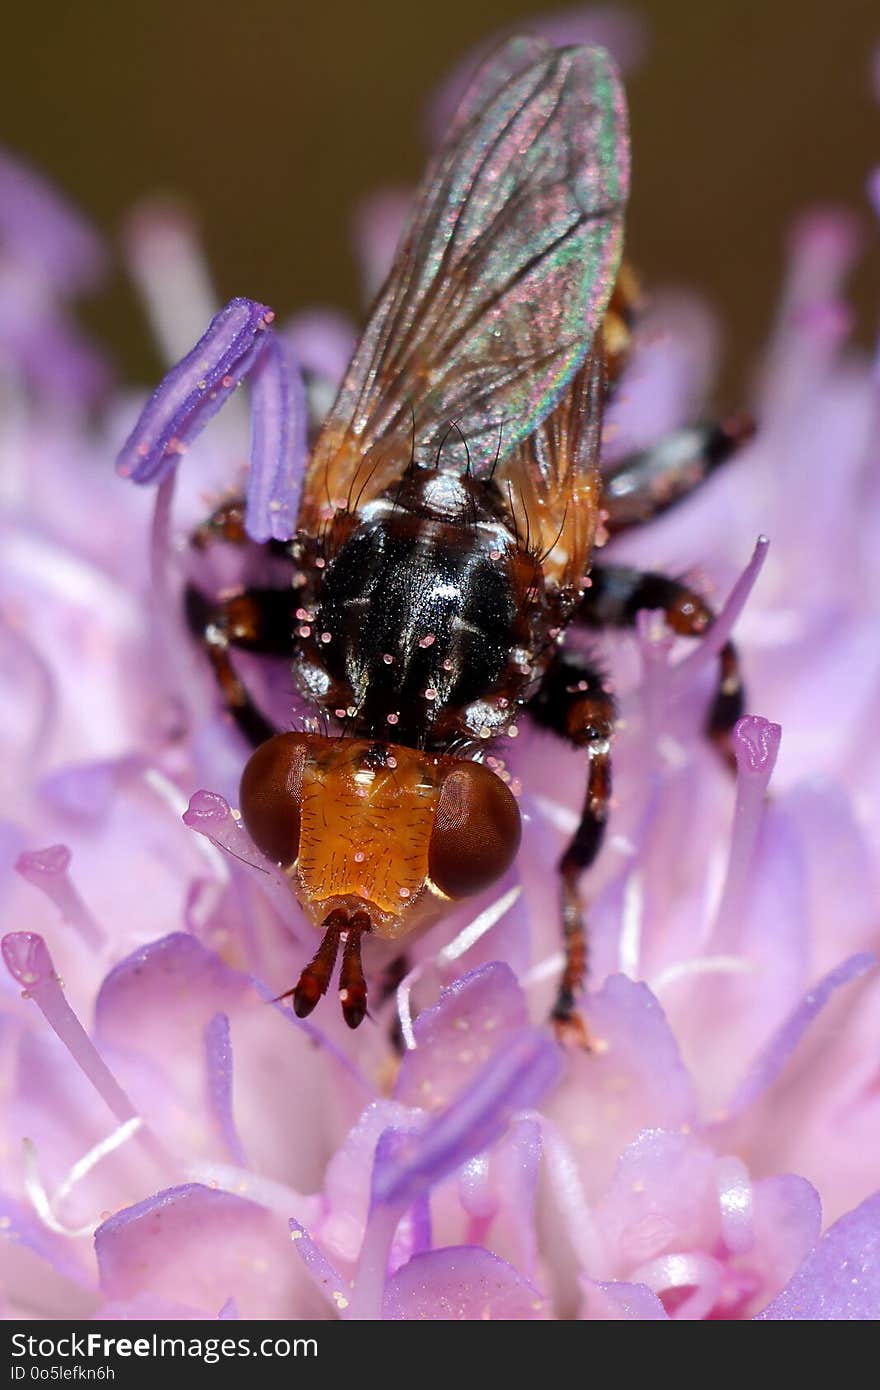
644 485
256 620
572 702
226 523
617 594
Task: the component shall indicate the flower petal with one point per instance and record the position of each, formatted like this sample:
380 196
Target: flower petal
461 1283
633 1080
474 1018
514 1079
619 1302
840 1279
199 1247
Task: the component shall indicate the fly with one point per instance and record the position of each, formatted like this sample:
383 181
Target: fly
444 538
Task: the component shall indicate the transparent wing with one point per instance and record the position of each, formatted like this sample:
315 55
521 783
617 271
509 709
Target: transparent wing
552 481
501 280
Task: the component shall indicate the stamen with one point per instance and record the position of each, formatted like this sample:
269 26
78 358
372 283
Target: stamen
42 695
208 813
218 1060
194 390
28 961
96 1153
755 746
655 644
266 1192
701 965
45 231
168 267
720 630
736 1199
279 445
41 1202
568 1193
484 922
629 946
48 870
547 969
45 1206
404 1005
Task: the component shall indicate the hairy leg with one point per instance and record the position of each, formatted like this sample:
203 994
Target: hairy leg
572 702
256 620
644 485
618 593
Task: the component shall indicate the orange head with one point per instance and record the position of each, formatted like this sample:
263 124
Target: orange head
373 837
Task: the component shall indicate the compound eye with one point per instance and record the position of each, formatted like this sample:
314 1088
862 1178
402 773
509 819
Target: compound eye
476 832
270 793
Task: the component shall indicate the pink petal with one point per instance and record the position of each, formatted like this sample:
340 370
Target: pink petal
840 1279
663 1198
618 1302
475 1017
198 1246
634 1080
787 1220
461 1283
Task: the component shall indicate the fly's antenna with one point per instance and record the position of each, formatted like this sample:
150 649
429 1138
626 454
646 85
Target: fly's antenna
497 452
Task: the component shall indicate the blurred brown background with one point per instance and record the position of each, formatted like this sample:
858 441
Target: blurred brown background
274 116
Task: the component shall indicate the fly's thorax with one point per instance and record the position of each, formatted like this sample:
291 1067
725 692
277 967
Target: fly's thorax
428 616
365 827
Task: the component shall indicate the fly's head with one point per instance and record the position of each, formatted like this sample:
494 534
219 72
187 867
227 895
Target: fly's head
374 837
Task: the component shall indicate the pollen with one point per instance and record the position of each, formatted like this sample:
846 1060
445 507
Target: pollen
392 718
427 641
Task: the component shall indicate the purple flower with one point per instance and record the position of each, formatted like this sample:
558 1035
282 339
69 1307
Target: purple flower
176 1142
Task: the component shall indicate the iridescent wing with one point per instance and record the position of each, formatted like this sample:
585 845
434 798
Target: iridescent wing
552 483
499 285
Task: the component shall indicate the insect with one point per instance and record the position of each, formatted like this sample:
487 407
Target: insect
445 536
